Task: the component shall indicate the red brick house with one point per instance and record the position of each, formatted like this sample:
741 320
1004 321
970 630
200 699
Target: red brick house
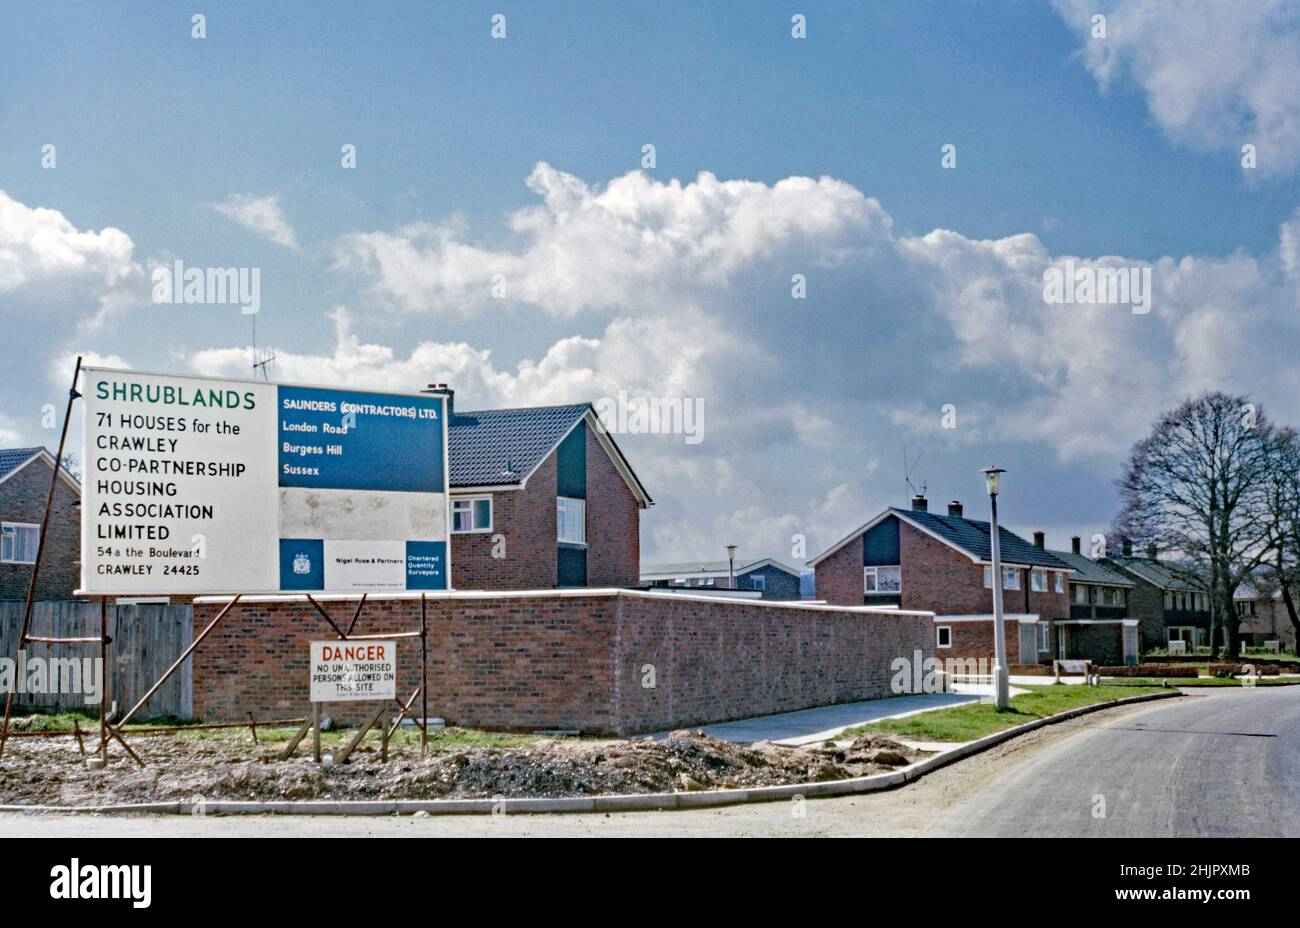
541 498
916 559
24 488
1099 627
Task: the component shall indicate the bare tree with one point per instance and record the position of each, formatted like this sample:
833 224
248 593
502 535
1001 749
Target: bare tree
1282 571
1197 487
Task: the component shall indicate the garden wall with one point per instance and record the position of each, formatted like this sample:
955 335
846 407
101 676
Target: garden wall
598 661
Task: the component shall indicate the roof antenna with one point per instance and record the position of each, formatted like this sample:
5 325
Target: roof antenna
907 475
260 365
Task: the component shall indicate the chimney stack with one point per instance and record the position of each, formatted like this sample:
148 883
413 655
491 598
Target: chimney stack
1040 540
954 508
1126 545
1076 545
920 504
441 389
1152 551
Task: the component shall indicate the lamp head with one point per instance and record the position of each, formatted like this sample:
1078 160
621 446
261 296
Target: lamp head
992 479
731 552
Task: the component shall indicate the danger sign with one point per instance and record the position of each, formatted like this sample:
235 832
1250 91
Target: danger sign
353 671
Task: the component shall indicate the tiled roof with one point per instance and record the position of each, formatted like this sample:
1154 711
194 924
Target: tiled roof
973 537
1090 571
13 458
687 568
1165 576
499 447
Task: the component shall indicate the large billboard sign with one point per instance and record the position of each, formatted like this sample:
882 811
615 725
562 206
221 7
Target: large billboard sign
194 485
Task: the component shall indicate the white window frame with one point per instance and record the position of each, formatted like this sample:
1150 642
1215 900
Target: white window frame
1008 573
871 580
1044 637
35 526
1038 580
940 633
564 520
758 582
1081 589
1060 581
471 500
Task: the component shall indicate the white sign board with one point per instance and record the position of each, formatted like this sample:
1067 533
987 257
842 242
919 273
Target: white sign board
228 486
353 671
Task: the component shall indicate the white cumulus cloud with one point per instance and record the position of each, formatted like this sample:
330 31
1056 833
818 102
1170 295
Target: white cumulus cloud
262 215
1216 74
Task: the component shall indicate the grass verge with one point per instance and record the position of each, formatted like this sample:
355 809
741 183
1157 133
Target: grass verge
1197 681
442 739
975 720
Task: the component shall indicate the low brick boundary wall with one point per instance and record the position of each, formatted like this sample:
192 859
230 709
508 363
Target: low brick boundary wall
1182 671
598 661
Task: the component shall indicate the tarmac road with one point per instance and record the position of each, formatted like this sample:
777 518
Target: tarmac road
1225 762
1226 765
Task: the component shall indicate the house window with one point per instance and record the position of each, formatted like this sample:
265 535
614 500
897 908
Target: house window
1111 596
1081 594
472 514
1169 600
1044 637
757 582
571 520
943 636
1010 578
18 542
882 579
1038 580
1246 608
1200 602
1060 581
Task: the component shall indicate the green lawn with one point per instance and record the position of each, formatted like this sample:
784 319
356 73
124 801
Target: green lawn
1196 681
966 723
439 738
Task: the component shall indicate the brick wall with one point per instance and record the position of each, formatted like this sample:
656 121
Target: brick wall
777 584
943 577
22 499
838 578
1102 644
613 522
551 660
974 640
1146 603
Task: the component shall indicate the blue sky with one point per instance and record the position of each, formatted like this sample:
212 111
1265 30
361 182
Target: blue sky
1066 146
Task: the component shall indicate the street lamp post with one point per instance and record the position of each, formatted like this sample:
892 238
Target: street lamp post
1001 683
731 569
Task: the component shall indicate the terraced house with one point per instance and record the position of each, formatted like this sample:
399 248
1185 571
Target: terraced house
1169 604
1099 627
916 559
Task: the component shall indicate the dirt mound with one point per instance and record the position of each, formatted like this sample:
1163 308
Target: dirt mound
38 771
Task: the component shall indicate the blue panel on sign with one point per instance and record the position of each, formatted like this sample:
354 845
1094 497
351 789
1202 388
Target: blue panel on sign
345 440
302 564
426 565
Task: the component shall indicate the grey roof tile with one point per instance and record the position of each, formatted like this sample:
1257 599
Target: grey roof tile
973 537
499 447
12 458
1090 571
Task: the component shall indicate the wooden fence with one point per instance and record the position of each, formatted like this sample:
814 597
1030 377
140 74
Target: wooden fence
146 640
